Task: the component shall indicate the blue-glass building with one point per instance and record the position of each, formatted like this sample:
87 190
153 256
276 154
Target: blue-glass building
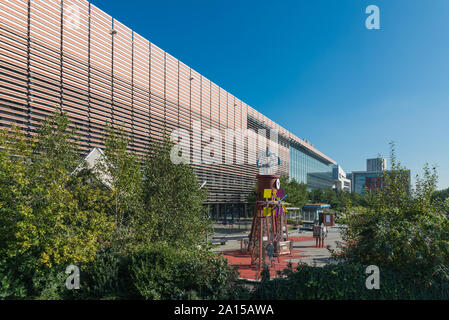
360 179
309 168
365 180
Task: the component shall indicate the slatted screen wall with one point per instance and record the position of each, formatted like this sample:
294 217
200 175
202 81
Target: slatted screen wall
69 55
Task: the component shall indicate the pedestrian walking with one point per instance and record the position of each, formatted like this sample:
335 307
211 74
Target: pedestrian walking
323 234
270 252
317 232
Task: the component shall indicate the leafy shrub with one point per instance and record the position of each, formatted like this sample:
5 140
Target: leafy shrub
55 212
107 277
20 278
11 286
158 272
49 283
164 272
346 281
400 228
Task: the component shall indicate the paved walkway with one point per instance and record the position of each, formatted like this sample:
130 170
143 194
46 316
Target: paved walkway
304 251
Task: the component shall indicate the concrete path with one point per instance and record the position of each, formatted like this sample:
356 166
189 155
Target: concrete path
310 255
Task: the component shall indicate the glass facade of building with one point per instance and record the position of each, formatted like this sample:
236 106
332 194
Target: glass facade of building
360 179
307 168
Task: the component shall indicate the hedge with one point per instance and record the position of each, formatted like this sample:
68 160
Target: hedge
347 282
159 273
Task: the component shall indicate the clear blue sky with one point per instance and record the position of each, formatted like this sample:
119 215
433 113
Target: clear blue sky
314 68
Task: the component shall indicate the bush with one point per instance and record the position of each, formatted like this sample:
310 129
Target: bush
11 285
164 272
21 279
400 228
107 277
54 212
346 281
159 272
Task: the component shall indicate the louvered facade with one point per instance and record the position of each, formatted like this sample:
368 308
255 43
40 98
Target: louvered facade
69 55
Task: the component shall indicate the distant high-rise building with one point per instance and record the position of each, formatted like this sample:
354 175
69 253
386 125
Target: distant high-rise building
363 180
376 164
373 177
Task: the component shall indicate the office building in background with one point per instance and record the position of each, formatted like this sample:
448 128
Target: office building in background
341 182
376 165
373 177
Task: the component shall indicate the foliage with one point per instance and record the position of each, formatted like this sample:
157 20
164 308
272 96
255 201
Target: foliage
441 195
297 192
399 228
122 171
347 281
251 200
159 272
151 198
106 277
55 211
339 200
40 212
356 200
23 277
173 201
15 192
163 272
13 278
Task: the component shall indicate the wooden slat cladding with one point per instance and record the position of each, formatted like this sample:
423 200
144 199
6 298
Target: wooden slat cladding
141 92
13 64
100 74
69 55
75 67
45 60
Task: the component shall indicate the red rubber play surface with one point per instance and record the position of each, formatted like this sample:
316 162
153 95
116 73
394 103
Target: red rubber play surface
299 239
243 261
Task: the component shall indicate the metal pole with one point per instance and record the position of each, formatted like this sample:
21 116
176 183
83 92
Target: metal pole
260 243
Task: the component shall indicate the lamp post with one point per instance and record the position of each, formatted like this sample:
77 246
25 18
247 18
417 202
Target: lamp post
201 186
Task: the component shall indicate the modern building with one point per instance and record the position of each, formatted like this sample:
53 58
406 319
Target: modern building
341 181
70 56
306 166
376 164
373 177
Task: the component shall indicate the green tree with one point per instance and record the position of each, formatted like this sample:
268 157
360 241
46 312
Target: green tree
343 201
251 200
330 197
173 201
54 211
15 184
400 228
151 198
42 217
122 171
48 217
63 231
297 192
358 199
316 196
441 195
